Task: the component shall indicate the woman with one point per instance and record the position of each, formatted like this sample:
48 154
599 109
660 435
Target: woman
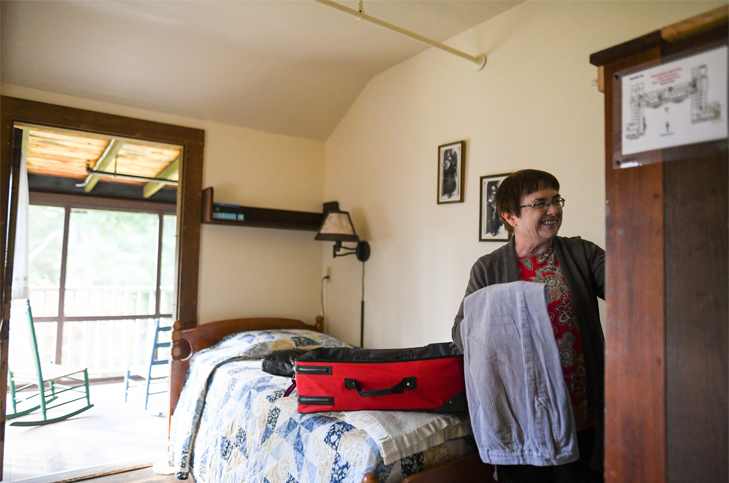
530 205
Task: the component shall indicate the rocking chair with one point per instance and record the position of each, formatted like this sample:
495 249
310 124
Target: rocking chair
28 391
151 373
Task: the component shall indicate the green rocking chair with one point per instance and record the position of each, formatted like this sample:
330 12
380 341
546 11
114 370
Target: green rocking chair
45 386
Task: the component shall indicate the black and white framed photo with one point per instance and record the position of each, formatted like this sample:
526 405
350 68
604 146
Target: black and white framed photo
491 226
451 169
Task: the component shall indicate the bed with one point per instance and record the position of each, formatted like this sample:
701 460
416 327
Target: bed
231 422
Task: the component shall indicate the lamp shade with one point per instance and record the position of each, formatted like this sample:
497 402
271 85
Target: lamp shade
337 226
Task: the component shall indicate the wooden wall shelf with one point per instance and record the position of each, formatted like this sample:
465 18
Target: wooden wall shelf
267 218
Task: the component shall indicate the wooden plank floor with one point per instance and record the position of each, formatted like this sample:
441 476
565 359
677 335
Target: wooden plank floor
143 475
111 433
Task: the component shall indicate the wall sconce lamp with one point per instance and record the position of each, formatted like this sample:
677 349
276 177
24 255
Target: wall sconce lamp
338 227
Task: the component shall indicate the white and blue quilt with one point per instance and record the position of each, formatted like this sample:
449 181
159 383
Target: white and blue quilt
233 424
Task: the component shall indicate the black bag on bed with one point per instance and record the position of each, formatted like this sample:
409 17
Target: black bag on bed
281 363
426 378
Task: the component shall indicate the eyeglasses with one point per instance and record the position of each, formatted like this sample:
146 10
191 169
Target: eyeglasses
543 205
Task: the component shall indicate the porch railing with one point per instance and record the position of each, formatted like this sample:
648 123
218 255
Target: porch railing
103 328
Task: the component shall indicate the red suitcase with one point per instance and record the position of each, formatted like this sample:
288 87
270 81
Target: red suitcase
426 378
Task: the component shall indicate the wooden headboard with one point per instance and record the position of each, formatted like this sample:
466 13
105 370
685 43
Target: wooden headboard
187 342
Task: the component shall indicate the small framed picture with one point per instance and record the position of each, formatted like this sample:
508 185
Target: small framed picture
491 226
451 169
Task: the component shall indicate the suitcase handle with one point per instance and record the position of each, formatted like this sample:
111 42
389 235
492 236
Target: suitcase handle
399 388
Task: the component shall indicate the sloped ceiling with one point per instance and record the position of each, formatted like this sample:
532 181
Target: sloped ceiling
292 67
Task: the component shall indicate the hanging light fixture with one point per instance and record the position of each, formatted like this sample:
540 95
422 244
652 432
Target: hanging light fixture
338 227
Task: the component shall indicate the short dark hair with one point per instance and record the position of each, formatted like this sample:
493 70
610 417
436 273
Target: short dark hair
518 184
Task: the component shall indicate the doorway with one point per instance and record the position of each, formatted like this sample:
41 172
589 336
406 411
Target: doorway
174 303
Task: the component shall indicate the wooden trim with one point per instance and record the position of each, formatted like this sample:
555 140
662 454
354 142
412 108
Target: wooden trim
601 78
635 380
10 169
81 201
617 52
3 391
95 472
14 110
695 25
122 469
671 33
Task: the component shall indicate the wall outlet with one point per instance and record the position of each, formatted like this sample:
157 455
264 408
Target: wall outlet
328 273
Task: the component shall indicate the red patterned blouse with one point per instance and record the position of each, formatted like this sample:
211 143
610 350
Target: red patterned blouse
544 268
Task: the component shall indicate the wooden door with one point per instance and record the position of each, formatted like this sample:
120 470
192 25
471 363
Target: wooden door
667 328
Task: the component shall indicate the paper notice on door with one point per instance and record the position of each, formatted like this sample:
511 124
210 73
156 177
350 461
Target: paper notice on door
676 103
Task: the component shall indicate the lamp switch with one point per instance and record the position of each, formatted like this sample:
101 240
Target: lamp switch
328 273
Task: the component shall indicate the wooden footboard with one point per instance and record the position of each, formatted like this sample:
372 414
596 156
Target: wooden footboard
467 469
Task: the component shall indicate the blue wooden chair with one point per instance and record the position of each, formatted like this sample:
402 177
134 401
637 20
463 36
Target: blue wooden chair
45 386
152 373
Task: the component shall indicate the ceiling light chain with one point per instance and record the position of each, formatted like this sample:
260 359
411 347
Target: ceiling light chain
479 61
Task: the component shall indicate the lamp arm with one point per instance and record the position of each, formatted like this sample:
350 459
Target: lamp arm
350 251
362 250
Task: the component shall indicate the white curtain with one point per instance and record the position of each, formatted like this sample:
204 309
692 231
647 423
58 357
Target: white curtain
20 261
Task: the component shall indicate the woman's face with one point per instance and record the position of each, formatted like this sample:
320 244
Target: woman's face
535 227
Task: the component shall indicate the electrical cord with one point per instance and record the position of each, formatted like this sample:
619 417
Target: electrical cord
323 311
362 310
362 304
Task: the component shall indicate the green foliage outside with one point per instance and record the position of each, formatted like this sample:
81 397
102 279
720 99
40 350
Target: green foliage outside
44 245
112 248
106 248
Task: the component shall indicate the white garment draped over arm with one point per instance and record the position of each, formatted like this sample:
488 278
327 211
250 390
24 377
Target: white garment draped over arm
517 398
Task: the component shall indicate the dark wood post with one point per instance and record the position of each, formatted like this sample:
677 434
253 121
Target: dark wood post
667 328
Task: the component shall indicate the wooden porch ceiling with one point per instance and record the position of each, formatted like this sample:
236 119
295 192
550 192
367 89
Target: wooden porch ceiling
66 154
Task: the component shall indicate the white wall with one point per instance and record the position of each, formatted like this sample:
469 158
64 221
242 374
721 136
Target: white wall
534 105
246 271
254 271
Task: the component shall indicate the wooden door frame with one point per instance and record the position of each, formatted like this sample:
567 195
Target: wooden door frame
658 311
189 194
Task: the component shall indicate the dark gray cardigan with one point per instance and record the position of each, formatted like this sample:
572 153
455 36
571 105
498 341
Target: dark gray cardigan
582 264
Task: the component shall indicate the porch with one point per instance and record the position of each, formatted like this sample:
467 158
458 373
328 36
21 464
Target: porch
111 327
106 334
111 433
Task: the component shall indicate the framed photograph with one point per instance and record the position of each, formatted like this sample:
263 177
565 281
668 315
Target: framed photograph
491 226
451 169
